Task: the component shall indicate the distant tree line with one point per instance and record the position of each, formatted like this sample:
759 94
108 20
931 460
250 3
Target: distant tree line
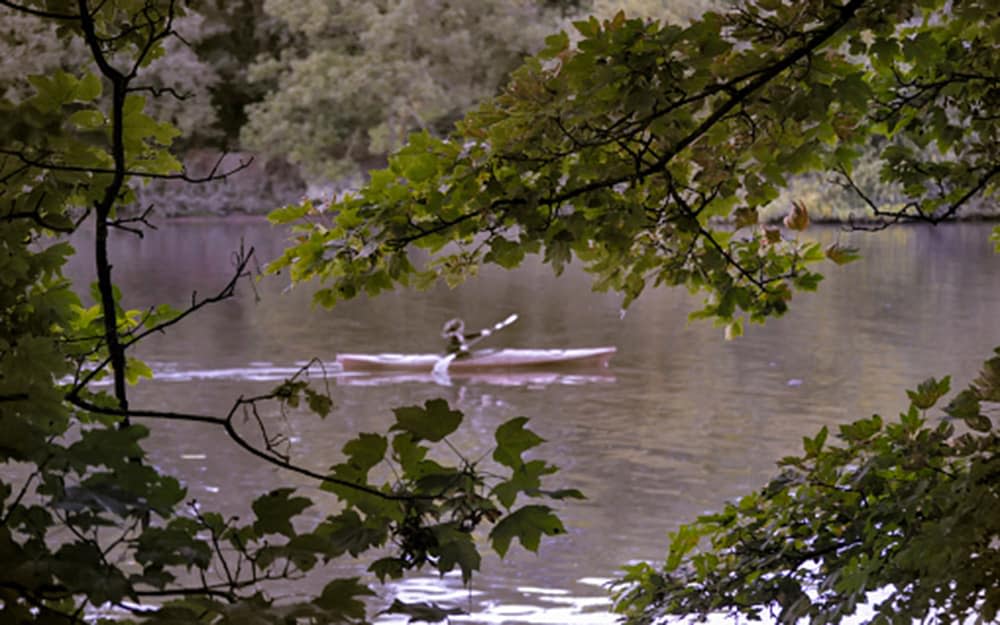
329 86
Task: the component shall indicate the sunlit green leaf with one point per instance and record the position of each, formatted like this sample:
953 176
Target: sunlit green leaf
841 254
929 392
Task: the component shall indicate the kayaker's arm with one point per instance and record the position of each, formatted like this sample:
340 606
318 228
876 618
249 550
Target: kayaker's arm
458 342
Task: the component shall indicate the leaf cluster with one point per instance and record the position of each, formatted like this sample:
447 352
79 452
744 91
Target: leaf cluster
902 514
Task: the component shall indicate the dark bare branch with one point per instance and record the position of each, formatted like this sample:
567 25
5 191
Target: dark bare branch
912 211
36 216
126 223
159 91
242 259
213 176
226 423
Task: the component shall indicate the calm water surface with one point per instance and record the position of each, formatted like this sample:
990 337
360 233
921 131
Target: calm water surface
680 423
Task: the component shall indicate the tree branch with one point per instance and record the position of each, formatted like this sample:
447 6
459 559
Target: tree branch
226 423
920 215
35 215
229 290
213 176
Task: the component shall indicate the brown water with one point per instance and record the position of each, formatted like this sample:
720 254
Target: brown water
681 422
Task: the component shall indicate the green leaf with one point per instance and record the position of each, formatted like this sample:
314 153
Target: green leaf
343 599
408 453
513 439
81 566
929 392
841 254
136 369
173 545
275 510
527 524
987 384
854 91
563 493
432 422
456 547
966 406
319 403
589 28
87 119
526 478
365 451
348 532
862 429
555 45
52 90
413 162
290 213
89 88
428 612
504 252
682 542
814 445
387 568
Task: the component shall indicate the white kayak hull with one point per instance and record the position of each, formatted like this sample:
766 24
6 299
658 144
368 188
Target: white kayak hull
568 376
482 360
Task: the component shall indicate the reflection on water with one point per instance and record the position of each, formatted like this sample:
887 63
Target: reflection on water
553 606
680 423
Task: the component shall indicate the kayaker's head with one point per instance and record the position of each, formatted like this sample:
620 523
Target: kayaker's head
453 327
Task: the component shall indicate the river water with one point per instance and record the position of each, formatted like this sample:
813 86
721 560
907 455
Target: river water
680 423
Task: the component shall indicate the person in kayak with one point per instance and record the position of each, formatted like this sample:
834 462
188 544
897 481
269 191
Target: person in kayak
453 332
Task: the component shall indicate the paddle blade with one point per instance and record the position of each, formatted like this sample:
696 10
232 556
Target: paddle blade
441 366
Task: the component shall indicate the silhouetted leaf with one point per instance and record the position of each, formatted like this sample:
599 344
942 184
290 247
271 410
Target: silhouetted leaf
275 510
343 599
432 422
513 439
422 612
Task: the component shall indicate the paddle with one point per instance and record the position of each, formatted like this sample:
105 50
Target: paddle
441 366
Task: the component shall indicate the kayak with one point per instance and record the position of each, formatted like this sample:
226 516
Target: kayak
482 360
568 376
